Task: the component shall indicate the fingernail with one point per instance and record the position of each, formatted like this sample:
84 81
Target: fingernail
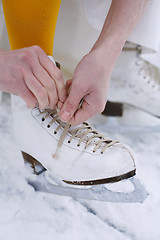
53 107
60 104
65 116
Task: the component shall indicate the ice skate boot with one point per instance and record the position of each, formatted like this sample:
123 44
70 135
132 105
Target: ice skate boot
77 155
135 81
74 155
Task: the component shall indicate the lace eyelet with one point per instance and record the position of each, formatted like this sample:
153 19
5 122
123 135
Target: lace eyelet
69 141
101 152
94 151
48 126
78 145
43 119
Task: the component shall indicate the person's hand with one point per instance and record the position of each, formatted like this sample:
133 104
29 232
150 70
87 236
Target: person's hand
29 73
90 83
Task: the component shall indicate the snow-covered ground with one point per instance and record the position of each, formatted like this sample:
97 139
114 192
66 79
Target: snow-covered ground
28 215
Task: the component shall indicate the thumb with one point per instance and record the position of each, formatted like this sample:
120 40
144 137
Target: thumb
71 104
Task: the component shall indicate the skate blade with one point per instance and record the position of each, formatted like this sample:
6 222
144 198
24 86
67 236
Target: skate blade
97 192
38 169
103 181
36 166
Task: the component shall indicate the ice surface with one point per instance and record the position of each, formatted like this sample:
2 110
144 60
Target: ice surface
28 215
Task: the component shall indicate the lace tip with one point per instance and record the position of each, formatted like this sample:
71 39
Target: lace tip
54 156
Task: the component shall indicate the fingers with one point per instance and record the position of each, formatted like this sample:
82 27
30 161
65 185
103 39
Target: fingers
59 105
92 104
71 104
84 113
29 73
55 74
68 85
28 97
49 85
38 91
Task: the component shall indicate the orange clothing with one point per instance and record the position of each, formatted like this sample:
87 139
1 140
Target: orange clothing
31 23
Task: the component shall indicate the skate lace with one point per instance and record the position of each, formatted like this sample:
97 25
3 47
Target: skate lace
83 133
147 73
146 70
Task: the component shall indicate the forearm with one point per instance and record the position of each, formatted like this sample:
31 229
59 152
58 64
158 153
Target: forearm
92 75
121 20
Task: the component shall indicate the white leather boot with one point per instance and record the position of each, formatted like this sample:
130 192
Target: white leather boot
77 155
135 82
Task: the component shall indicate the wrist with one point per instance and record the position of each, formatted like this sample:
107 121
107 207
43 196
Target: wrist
108 50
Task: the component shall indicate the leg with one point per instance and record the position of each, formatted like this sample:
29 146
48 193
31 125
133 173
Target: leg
31 23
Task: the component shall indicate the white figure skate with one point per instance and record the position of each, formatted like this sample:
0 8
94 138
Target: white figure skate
135 82
74 155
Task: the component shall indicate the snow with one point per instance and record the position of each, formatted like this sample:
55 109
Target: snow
26 214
